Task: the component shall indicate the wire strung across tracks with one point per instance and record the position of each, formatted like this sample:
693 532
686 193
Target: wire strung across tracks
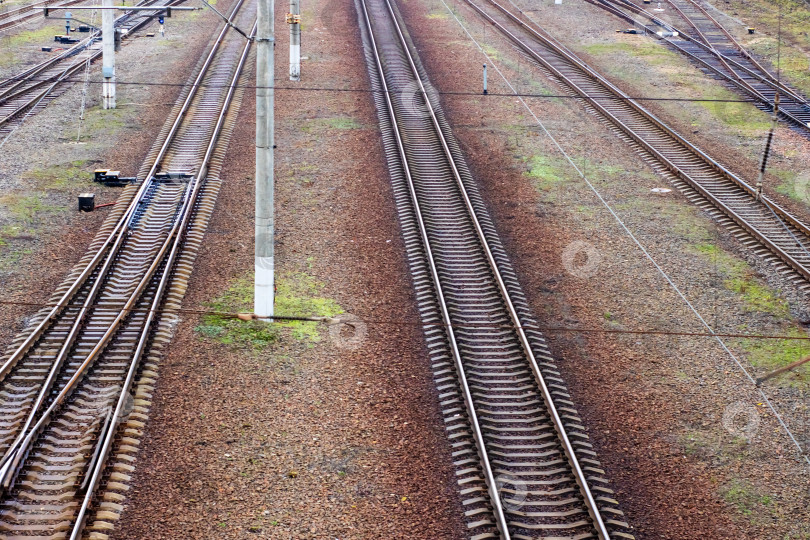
74 386
760 223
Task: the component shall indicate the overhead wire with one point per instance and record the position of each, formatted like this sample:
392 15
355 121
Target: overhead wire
641 247
392 92
403 322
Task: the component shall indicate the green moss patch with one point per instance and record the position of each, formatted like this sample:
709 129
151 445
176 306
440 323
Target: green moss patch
746 497
298 295
744 117
770 354
756 296
546 172
651 51
64 175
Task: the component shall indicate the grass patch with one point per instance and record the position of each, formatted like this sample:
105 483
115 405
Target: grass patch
27 209
745 497
63 175
652 52
546 172
791 186
740 279
98 120
298 294
31 37
744 117
696 443
770 354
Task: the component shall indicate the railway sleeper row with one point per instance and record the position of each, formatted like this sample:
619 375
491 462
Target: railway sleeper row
535 485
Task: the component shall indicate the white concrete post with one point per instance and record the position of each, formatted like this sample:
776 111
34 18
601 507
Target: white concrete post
295 40
108 55
265 68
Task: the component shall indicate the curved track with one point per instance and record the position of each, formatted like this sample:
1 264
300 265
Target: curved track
772 227
713 49
35 87
66 386
16 16
523 459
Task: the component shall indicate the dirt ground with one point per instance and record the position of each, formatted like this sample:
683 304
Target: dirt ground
668 413
295 433
50 159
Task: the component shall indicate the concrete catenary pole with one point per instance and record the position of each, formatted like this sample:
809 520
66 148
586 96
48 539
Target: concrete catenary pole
294 20
108 55
265 67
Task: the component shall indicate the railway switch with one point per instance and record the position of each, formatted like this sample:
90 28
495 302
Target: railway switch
170 177
65 39
111 178
87 202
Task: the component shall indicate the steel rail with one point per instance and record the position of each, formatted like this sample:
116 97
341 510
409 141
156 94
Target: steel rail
742 50
97 466
15 453
782 215
19 85
731 76
26 75
478 436
22 16
124 221
763 75
559 427
558 424
720 57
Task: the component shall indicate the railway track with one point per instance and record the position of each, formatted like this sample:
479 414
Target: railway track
763 225
714 50
74 388
16 16
35 87
524 463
